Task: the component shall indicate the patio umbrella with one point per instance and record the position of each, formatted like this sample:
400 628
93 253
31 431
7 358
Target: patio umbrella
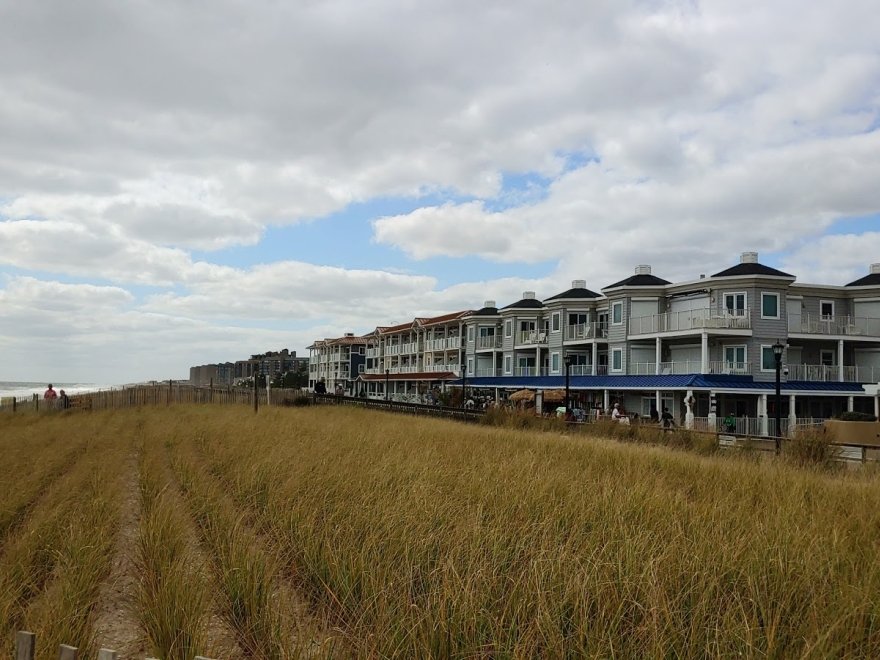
522 395
554 396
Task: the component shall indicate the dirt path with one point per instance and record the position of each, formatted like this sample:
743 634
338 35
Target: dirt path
116 623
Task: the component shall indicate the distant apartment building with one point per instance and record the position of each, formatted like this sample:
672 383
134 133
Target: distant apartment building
646 342
267 364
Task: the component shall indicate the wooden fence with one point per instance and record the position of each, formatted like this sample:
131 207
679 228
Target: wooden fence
26 644
466 414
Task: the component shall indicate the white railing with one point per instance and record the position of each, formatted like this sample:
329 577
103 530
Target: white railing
373 352
580 370
392 349
586 331
453 342
484 373
831 373
443 367
729 367
412 347
531 337
489 342
529 371
691 319
811 324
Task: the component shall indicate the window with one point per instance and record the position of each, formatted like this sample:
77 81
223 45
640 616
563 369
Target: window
361 350
616 359
768 359
508 361
617 313
826 309
556 322
470 333
470 367
554 362
827 358
360 368
769 305
508 328
734 358
735 303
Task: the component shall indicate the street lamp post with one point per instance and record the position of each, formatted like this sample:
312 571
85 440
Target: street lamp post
386 384
567 398
778 348
463 367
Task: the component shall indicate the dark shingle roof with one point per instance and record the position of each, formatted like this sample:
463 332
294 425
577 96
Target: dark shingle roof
639 280
868 280
525 303
485 311
752 268
576 293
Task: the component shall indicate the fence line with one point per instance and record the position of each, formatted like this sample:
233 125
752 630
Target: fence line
26 644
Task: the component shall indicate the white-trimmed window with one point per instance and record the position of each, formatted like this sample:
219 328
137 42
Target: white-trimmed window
361 350
735 357
769 305
554 363
616 359
508 328
768 358
360 368
617 313
826 309
827 357
556 322
470 366
735 303
508 364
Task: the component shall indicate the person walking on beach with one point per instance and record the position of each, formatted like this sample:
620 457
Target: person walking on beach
63 400
50 395
667 420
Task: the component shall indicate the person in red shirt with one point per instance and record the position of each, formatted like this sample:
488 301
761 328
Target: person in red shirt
50 395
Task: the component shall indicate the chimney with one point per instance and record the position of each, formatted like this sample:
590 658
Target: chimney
349 334
643 269
702 276
578 284
528 295
489 303
749 258
875 269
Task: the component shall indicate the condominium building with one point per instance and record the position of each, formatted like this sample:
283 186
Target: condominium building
337 361
646 342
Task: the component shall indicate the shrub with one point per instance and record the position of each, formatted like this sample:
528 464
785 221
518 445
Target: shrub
856 417
298 400
811 447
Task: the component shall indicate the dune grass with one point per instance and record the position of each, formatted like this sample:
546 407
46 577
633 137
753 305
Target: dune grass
426 538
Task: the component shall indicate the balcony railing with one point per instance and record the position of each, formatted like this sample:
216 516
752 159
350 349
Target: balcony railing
832 373
692 319
485 373
689 367
580 370
530 371
531 337
489 342
586 331
811 324
392 349
373 352
454 367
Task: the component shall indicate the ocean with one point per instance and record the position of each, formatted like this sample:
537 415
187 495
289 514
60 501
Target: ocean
23 389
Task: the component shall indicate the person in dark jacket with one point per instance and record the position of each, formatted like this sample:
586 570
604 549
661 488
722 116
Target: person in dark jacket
320 387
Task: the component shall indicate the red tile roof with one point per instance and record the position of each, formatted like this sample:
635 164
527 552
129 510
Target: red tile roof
422 375
445 318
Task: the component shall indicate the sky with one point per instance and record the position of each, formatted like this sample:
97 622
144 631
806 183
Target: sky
193 182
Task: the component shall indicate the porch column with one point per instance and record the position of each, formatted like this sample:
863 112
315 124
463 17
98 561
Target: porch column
689 407
850 401
497 395
606 400
658 344
538 361
658 402
840 361
877 406
713 412
792 416
762 415
704 353
595 357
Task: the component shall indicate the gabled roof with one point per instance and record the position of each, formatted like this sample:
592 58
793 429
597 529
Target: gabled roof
576 293
752 269
868 280
639 280
445 318
391 329
525 303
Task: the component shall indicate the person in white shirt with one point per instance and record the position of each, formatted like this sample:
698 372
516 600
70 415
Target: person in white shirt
615 413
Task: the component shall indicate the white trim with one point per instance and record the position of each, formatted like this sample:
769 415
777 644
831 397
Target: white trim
733 294
553 369
508 364
508 328
833 310
745 348
618 303
470 366
644 298
778 305
619 351
470 334
557 317
761 359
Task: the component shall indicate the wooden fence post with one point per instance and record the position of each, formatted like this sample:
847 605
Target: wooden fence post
14 403
107 654
168 400
24 645
66 652
256 396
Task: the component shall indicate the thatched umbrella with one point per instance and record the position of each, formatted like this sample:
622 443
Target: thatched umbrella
554 396
522 395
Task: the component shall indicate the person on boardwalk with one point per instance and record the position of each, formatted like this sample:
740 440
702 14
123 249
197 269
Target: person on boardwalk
63 400
320 387
667 420
615 413
49 396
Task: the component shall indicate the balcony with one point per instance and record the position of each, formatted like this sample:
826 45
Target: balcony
692 319
832 373
811 324
488 342
373 352
392 349
531 338
488 373
681 367
453 367
408 349
586 331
